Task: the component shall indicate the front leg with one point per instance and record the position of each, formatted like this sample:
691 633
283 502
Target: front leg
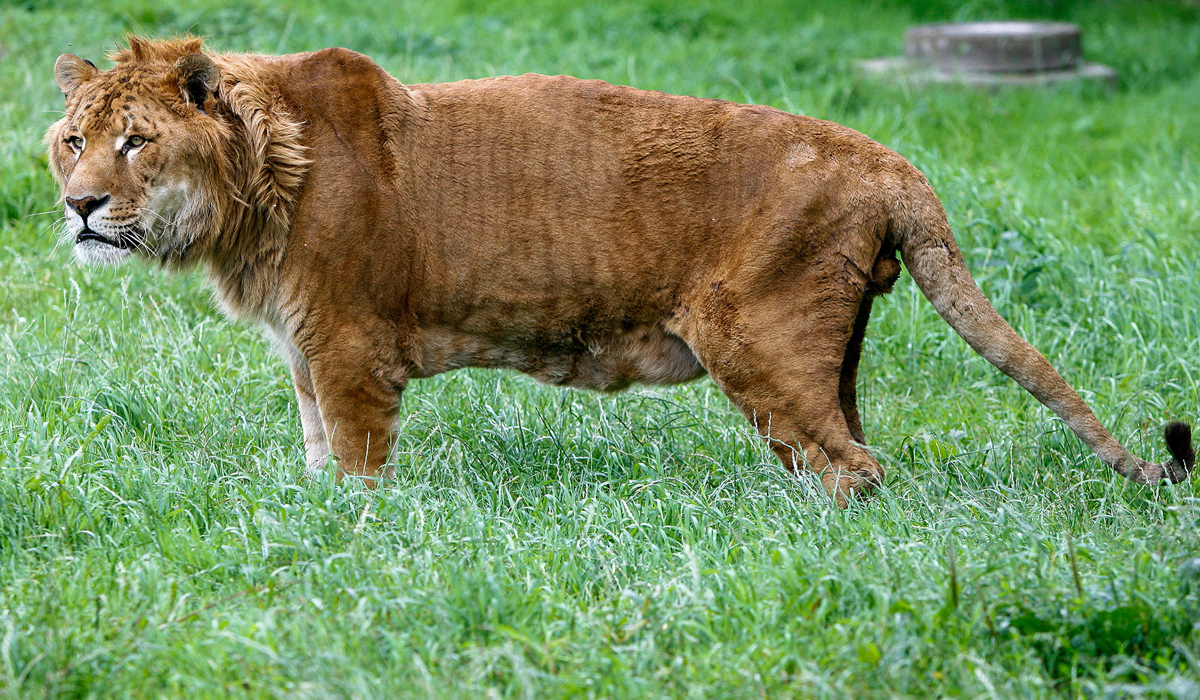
357 407
316 449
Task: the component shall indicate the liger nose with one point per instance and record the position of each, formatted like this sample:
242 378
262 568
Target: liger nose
84 206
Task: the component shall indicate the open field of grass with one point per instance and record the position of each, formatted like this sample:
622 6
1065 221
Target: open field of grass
157 538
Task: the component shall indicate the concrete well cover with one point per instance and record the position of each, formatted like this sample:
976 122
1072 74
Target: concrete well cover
995 47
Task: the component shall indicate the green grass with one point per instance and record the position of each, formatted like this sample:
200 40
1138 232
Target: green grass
157 538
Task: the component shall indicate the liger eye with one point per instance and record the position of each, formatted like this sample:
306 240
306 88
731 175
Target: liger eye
133 142
76 143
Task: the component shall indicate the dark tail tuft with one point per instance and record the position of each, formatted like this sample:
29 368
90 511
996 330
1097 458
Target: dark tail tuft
1179 442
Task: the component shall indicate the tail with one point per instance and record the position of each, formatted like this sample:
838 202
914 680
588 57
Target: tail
935 262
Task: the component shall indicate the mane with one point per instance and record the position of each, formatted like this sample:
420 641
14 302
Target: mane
240 221
267 165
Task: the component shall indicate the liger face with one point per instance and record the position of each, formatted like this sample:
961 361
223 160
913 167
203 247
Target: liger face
116 152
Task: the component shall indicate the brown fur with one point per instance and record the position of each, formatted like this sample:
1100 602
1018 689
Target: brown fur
586 234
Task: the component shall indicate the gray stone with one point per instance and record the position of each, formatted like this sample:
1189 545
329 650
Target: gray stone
991 54
904 68
995 47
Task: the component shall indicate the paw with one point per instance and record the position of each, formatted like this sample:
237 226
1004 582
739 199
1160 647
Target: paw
853 482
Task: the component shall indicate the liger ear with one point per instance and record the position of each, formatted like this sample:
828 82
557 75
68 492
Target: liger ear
198 78
72 71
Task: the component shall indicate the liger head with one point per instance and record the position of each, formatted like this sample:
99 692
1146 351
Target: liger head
136 151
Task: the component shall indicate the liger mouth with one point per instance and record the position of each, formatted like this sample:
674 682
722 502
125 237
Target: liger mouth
89 235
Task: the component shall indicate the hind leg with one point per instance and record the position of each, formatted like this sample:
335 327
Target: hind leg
848 382
781 360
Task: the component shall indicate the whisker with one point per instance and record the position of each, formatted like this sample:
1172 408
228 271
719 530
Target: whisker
61 236
169 226
155 214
